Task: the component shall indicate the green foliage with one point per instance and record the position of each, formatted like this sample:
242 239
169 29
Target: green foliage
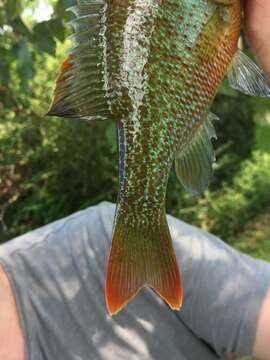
254 239
58 169
227 210
22 38
262 137
51 167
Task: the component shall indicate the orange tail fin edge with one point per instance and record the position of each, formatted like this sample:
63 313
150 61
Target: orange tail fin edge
141 256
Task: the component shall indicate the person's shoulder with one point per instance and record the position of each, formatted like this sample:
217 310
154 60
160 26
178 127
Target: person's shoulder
194 242
180 228
93 217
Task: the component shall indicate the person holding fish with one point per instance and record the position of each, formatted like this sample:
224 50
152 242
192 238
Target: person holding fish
154 68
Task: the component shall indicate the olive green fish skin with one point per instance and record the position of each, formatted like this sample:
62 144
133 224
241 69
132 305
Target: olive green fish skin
166 60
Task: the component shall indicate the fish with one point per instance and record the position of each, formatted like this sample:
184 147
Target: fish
154 68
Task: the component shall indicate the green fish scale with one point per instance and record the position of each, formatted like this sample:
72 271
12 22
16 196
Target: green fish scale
160 88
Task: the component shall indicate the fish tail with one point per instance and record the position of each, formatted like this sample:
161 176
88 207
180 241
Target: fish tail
141 256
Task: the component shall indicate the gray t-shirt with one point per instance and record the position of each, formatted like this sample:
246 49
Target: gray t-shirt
57 274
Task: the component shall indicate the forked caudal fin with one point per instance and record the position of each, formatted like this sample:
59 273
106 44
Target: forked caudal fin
142 256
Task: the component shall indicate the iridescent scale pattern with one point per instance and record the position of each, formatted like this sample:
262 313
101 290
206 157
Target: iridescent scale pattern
165 61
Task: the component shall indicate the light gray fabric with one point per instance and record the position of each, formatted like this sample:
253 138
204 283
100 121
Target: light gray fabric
57 274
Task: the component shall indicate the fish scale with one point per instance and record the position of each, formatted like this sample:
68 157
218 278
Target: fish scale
153 67
159 132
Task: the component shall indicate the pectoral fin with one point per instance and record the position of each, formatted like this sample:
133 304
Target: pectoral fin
244 75
193 164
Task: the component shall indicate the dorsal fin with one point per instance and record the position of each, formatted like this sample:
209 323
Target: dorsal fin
193 163
81 85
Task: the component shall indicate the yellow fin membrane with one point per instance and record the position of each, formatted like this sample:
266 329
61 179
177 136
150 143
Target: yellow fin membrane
141 256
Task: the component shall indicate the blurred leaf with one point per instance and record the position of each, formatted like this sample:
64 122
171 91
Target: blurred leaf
4 66
57 28
43 39
25 64
13 9
19 27
263 137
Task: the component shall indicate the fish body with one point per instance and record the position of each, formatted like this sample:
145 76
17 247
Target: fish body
169 70
173 57
154 67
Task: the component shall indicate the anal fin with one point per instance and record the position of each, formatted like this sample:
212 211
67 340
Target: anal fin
193 163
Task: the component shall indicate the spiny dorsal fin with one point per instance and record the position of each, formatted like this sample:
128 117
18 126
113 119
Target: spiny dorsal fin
193 163
246 76
81 85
